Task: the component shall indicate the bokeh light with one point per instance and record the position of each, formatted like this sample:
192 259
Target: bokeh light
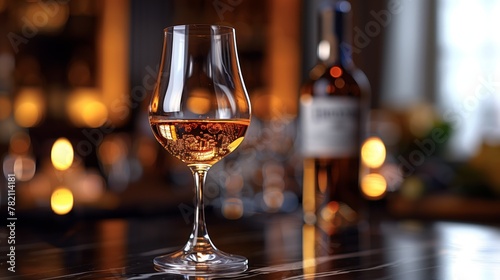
29 107
61 201
90 187
94 113
273 199
336 71
421 119
8 165
373 186
62 154
112 149
324 48
27 114
24 168
234 184
86 109
232 208
329 211
52 23
373 152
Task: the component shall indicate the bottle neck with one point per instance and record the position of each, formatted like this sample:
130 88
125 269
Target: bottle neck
334 43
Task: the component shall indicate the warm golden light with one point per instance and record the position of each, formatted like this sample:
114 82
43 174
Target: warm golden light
154 104
199 102
282 61
61 201
29 107
322 180
62 154
373 152
27 114
85 108
94 114
330 210
309 194
235 144
373 186
309 249
114 63
50 21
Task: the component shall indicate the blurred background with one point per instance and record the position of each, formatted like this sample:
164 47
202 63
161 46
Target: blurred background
76 77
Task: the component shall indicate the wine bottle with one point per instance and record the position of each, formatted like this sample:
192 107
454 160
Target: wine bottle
333 120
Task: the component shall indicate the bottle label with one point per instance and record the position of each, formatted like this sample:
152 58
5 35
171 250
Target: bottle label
329 127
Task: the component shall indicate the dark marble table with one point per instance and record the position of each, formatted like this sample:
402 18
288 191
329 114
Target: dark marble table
277 246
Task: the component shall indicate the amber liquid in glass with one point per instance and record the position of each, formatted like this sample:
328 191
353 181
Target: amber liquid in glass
199 141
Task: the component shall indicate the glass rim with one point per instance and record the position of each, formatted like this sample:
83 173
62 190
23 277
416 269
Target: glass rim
200 29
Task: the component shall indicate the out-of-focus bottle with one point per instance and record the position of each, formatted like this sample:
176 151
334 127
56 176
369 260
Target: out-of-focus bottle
334 105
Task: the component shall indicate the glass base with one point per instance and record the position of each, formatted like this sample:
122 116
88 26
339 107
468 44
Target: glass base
196 263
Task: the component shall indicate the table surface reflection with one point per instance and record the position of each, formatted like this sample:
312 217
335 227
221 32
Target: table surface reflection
277 246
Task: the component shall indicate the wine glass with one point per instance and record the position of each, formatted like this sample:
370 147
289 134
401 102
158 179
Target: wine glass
199 112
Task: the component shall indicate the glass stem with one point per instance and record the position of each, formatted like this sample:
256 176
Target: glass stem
199 241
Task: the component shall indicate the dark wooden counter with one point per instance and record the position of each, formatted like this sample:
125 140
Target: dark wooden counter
277 246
